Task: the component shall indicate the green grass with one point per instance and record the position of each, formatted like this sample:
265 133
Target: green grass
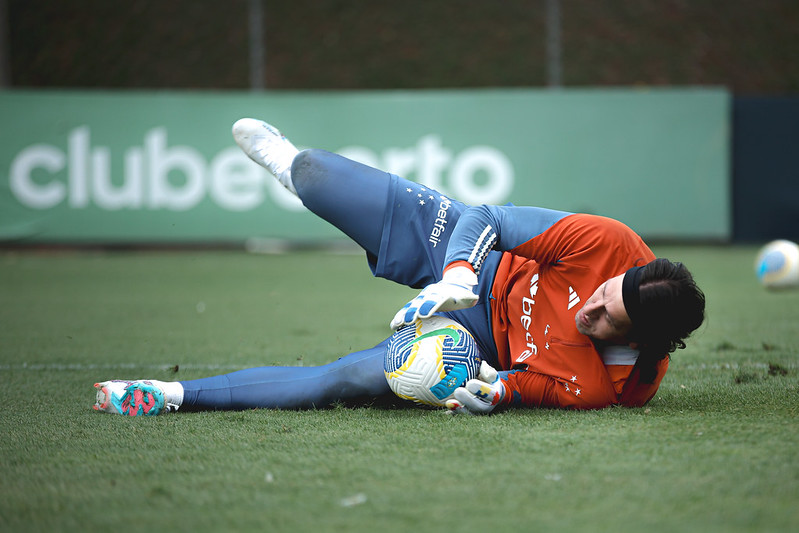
716 450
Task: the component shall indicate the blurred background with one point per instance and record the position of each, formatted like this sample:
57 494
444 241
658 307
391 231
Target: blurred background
688 110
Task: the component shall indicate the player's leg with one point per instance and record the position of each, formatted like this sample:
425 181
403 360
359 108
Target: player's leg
355 376
402 226
347 194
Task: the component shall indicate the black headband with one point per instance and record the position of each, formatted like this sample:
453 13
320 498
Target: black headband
631 295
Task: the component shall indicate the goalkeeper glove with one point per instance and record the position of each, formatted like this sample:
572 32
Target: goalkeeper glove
478 396
454 291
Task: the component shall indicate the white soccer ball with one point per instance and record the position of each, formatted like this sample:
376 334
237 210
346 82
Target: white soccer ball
427 360
777 265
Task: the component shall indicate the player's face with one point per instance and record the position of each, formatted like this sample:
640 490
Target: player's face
603 317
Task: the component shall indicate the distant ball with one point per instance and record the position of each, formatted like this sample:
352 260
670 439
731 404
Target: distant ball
427 360
777 265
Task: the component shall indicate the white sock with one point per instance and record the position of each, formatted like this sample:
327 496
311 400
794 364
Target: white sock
173 391
284 178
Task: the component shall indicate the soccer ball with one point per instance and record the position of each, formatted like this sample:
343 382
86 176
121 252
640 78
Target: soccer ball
777 264
427 360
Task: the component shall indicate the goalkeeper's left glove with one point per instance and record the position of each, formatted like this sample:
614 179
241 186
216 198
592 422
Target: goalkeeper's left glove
478 396
454 291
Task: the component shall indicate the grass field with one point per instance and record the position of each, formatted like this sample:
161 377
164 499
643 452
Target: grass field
716 450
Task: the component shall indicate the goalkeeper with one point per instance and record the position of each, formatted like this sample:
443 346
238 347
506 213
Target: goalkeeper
568 310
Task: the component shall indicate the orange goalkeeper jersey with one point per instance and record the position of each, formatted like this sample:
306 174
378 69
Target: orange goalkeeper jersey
538 288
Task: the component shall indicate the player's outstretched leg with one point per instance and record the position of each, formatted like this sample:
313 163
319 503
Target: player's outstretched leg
355 376
349 195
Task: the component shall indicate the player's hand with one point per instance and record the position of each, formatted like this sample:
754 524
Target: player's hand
454 291
478 396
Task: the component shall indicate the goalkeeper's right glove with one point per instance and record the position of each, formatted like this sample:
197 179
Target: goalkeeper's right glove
454 291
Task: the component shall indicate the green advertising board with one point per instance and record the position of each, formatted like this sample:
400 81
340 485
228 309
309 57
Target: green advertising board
161 167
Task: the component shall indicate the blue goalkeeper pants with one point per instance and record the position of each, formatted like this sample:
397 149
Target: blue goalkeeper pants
392 220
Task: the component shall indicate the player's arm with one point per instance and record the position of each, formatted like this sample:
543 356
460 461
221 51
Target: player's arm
489 227
520 388
532 389
478 231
